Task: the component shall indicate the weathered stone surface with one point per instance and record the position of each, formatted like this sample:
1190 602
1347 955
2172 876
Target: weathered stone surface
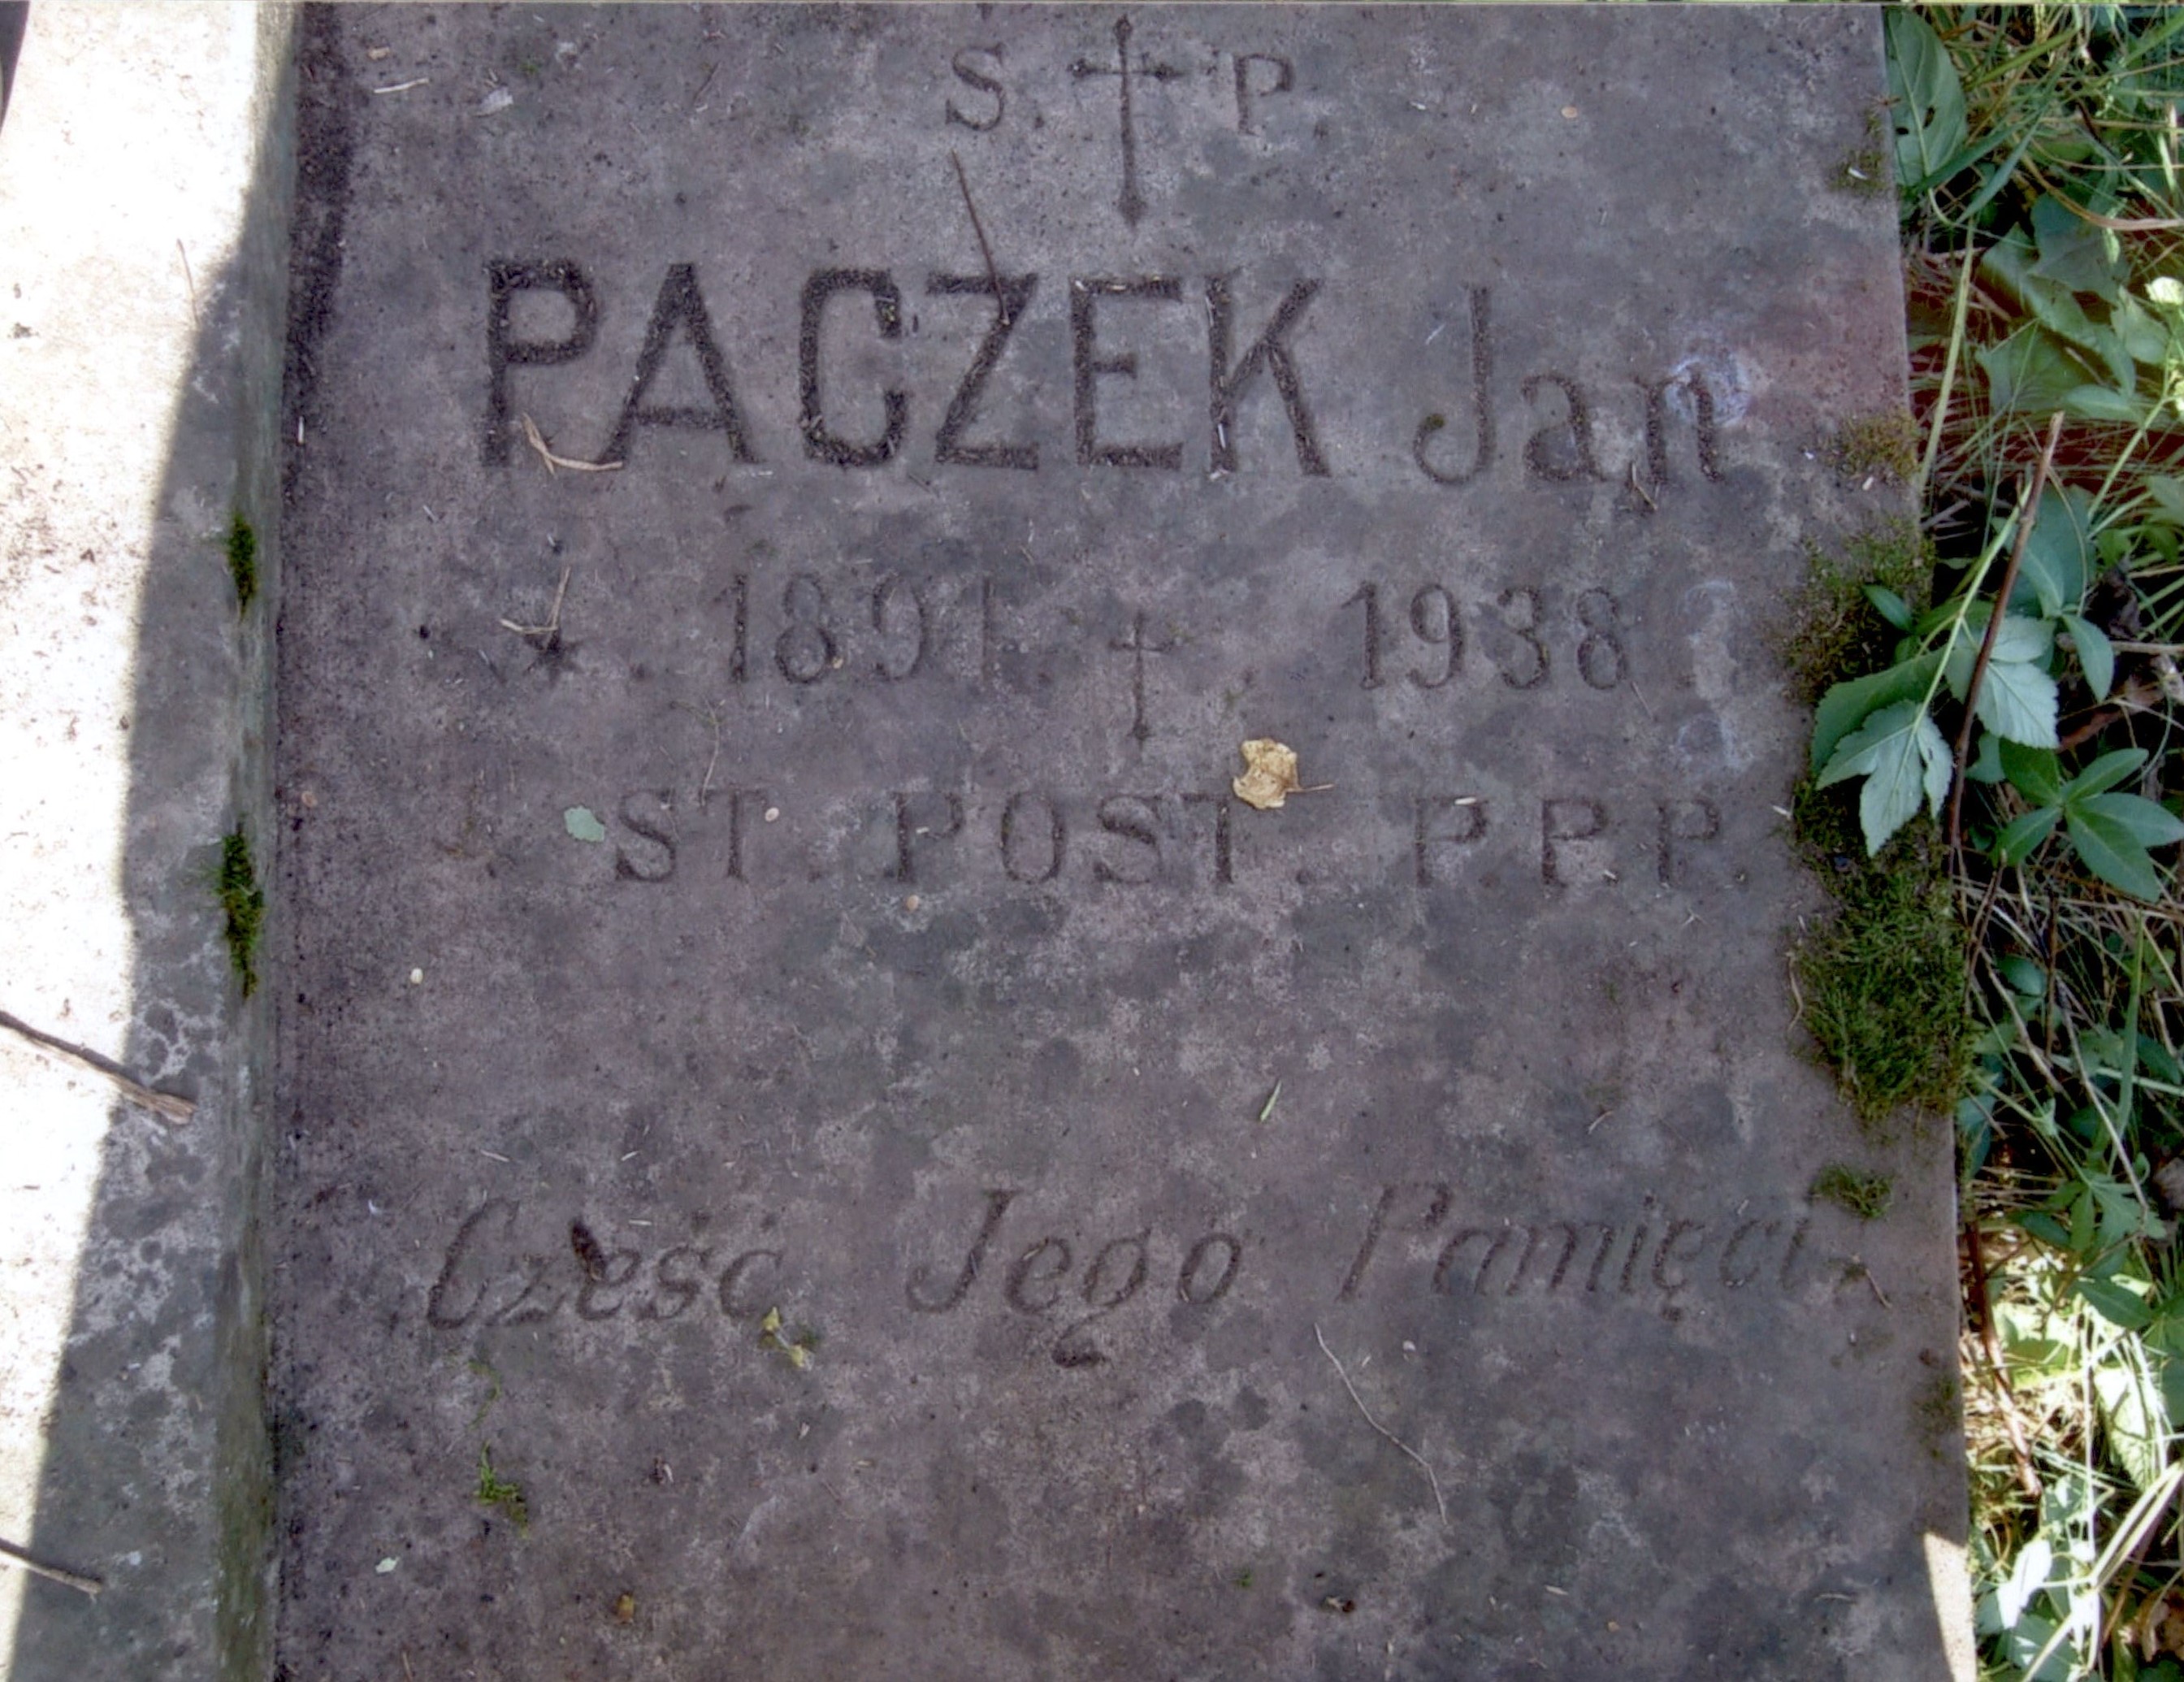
143 246
795 872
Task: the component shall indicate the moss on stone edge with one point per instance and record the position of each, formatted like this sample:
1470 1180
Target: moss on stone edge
1836 632
1865 172
243 903
1883 447
243 560
1881 975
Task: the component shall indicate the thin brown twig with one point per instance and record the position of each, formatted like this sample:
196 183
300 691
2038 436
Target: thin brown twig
986 251
1423 1464
1977 938
2028 513
2134 696
164 1105
2027 1477
52 1573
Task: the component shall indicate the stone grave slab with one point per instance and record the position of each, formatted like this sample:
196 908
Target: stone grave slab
821 1135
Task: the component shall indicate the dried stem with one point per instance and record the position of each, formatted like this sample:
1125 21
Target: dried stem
1379 1427
537 440
52 1574
164 1105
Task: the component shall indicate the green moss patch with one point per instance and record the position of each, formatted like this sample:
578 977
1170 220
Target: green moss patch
1865 172
1865 1196
244 904
1884 446
504 1493
1881 976
1836 633
243 560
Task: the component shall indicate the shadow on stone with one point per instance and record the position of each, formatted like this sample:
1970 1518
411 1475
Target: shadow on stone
157 1472
14 14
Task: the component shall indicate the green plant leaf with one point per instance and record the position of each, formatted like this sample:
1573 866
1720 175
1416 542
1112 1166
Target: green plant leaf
2051 302
2076 252
2033 772
2106 1054
2059 558
2081 1220
2017 699
2116 1303
2105 403
1902 756
2142 333
2168 494
2024 976
2096 655
2018 640
1999 174
1974 1135
2129 1397
1846 705
2028 371
2016 842
1889 605
2104 773
1926 99
2109 848
2025 1639
2148 824
1986 763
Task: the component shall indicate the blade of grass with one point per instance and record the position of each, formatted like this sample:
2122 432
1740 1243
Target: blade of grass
1948 367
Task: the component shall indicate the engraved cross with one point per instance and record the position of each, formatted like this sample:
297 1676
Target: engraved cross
1131 203
1138 648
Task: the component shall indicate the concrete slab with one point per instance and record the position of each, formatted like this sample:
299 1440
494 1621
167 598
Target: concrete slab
142 255
821 1132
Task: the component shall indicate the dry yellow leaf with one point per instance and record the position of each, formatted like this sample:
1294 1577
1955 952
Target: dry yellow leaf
1270 775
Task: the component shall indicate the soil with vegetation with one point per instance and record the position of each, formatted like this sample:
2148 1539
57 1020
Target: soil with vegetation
1994 791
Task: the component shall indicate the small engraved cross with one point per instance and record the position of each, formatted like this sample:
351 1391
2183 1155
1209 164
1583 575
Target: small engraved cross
1138 648
1131 203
